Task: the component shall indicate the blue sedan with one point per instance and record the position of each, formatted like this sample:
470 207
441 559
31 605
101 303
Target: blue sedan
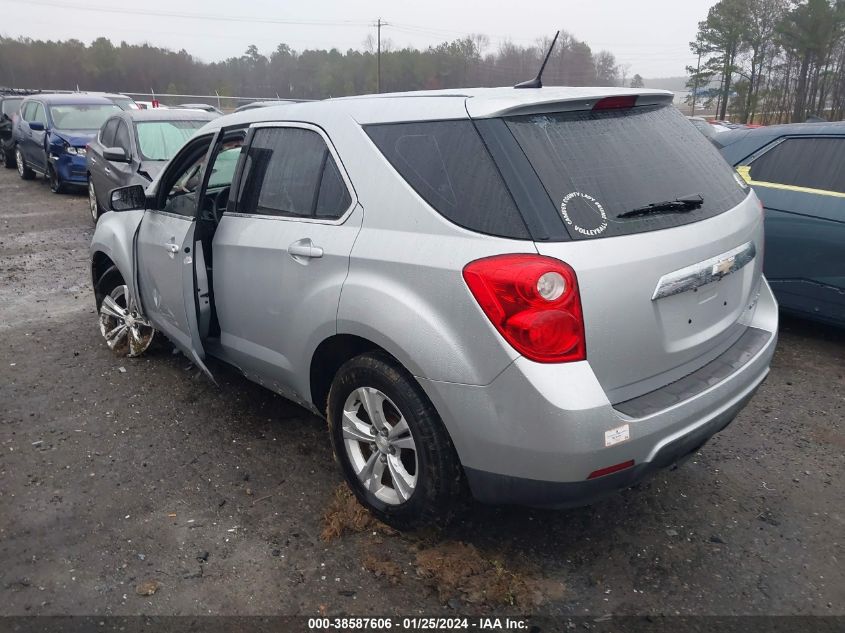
798 171
51 135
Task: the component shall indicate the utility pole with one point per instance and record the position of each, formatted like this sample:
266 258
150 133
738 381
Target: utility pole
379 24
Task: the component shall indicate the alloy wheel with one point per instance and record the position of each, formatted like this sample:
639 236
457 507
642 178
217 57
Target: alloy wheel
126 332
21 166
379 445
92 201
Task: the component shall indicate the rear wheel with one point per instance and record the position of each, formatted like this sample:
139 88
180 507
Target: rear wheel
23 170
391 444
93 204
56 183
7 156
127 333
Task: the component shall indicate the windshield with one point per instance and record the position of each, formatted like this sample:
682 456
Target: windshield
11 106
597 166
82 116
160 140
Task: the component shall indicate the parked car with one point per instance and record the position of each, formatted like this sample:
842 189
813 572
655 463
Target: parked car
51 133
151 105
492 288
10 106
703 126
133 146
198 106
798 171
265 104
121 101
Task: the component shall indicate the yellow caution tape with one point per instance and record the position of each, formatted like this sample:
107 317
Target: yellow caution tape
745 172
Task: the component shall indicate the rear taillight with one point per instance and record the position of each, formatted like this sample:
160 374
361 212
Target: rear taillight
616 103
533 302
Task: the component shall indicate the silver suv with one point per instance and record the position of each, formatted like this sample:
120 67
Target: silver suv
541 295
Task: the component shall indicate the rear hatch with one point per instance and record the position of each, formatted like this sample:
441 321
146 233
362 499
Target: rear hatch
665 288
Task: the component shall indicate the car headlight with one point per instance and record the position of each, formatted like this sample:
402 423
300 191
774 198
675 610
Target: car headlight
74 151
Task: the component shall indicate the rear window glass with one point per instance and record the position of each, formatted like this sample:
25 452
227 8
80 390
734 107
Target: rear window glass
448 166
816 163
11 106
597 166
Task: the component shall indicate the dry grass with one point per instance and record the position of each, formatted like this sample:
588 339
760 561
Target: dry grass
454 569
345 515
457 570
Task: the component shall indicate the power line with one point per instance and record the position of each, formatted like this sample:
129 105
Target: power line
188 16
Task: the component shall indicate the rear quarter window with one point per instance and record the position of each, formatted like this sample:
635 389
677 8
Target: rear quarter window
596 166
447 164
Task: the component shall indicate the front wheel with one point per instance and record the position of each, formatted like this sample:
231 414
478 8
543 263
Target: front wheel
93 203
391 444
56 183
127 333
23 170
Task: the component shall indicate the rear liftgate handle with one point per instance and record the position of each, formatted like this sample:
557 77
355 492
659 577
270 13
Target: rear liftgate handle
303 250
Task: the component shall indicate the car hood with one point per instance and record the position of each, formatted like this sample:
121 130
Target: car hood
77 138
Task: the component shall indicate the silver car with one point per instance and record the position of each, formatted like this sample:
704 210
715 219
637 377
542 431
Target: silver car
538 296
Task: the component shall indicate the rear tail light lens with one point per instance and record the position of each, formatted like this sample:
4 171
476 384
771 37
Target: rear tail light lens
533 302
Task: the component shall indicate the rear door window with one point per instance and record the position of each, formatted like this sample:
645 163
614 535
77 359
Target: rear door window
598 165
813 162
289 171
447 164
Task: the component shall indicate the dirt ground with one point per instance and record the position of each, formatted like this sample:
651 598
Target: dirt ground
138 487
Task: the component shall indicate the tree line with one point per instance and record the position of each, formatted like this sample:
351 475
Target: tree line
770 61
287 73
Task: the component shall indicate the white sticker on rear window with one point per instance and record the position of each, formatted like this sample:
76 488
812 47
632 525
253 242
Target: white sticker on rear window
617 435
583 213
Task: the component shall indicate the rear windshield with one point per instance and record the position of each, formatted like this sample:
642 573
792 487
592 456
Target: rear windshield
160 140
81 117
11 106
596 166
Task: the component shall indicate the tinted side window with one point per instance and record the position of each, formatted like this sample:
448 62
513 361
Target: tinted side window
121 136
284 175
817 163
448 166
107 132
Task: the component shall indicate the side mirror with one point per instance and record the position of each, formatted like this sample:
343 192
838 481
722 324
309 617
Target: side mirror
36 126
115 155
131 198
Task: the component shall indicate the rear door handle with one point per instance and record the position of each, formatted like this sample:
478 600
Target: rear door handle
171 249
305 248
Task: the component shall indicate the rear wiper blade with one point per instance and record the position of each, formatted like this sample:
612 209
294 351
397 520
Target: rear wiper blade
685 203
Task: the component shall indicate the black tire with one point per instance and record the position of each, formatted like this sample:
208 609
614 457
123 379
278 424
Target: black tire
7 155
440 486
23 169
107 282
93 203
56 184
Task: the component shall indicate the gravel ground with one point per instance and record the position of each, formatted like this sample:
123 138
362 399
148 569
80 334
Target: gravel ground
139 476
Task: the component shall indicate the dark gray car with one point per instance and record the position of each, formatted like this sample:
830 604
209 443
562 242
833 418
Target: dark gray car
133 146
798 171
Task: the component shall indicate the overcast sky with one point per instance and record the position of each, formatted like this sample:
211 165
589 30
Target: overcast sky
649 36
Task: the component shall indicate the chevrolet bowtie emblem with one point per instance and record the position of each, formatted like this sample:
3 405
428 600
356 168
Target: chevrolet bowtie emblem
705 272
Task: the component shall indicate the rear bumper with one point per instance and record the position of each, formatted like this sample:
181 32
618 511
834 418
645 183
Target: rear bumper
534 434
